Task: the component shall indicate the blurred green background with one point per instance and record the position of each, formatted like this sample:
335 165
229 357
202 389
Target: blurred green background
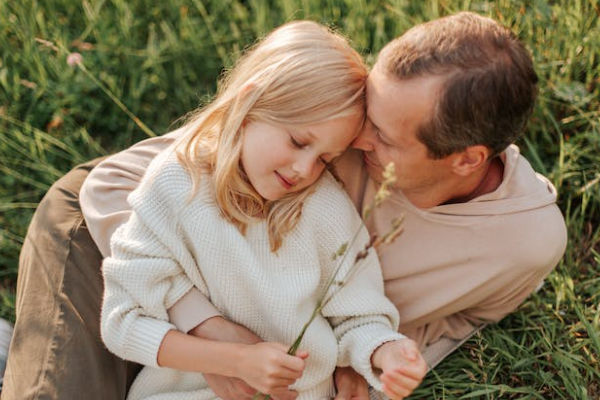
161 60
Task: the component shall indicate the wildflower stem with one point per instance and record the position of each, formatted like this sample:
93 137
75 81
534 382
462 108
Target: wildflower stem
117 101
102 86
327 294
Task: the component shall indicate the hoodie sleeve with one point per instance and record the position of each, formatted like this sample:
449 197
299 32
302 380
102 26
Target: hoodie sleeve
150 268
104 205
522 255
103 196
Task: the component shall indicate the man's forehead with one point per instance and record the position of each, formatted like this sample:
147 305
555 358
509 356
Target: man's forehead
399 105
388 90
375 82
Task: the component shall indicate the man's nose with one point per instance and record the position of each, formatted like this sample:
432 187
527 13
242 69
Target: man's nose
365 140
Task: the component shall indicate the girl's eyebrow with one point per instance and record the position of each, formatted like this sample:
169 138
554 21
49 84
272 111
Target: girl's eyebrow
310 135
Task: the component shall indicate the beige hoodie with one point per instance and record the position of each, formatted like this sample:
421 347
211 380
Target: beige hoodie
461 264
453 267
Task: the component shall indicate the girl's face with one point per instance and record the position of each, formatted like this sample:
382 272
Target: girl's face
279 160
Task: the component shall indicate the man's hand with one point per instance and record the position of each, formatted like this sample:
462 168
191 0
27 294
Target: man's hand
228 388
403 367
350 385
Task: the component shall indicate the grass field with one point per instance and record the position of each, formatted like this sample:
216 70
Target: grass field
161 59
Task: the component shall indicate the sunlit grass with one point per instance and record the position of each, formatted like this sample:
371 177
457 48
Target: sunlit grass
161 60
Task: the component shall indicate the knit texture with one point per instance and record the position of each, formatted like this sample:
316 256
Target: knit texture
171 244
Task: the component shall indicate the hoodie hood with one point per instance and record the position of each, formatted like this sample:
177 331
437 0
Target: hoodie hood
522 189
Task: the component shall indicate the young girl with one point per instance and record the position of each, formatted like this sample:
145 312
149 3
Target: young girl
242 209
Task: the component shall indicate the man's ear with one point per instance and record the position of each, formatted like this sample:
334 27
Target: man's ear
470 160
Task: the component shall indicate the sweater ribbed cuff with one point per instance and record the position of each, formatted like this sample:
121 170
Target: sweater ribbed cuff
367 341
145 338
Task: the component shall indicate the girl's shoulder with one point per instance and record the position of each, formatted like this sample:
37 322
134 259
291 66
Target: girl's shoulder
166 181
329 204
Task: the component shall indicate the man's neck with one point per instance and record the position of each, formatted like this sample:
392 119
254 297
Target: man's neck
461 190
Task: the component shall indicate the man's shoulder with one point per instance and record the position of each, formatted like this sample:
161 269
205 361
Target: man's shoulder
536 236
525 215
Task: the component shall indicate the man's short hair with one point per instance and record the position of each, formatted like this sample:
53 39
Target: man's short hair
491 84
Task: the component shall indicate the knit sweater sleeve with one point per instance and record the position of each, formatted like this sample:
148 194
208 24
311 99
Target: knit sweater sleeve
360 314
150 267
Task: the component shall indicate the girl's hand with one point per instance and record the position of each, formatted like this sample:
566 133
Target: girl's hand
267 367
403 367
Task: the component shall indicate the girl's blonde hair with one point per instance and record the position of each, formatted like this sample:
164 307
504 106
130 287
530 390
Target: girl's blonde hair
301 73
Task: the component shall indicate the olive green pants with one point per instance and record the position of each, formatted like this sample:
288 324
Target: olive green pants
56 351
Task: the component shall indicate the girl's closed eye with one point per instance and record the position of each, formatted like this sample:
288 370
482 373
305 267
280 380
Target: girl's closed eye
296 143
299 145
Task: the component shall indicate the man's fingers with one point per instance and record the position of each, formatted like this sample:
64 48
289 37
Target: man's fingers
361 393
229 388
282 382
353 391
284 394
344 393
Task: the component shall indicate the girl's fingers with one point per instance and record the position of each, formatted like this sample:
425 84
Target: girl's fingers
303 354
288 374
279 346
403 380
293 363
395 388
415 371
410 351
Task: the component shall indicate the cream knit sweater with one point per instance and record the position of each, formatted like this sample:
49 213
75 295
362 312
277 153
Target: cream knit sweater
171 244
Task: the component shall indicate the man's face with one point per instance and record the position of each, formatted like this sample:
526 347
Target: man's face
395 110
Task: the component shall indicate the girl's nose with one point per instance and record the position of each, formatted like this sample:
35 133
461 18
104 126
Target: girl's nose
305 166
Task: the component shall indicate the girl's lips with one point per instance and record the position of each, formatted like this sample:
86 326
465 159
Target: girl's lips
284 182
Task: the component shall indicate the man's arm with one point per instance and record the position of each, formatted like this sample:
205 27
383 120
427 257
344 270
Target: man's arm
104 205
520 265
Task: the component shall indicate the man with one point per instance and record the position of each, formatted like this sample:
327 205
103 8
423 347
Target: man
446 102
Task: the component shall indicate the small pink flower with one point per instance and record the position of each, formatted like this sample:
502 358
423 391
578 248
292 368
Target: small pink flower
74 59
